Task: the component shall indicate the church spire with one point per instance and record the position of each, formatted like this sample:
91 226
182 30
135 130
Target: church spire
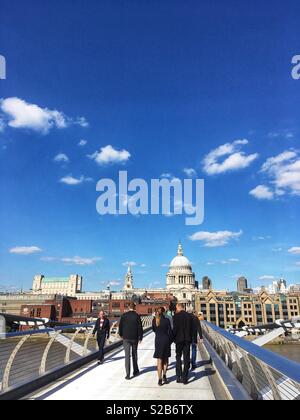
129 279
180 251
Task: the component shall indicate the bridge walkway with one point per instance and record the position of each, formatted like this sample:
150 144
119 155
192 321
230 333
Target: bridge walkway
107 381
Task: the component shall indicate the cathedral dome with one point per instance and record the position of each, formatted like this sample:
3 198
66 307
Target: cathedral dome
180 262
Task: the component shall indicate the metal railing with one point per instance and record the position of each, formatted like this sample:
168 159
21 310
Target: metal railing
263 374
29 355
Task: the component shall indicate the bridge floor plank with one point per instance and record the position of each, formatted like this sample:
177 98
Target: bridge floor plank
107 381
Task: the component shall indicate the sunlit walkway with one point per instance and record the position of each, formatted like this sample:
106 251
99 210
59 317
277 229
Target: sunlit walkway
107 382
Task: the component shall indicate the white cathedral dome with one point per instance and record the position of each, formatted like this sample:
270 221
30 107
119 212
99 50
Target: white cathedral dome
180 262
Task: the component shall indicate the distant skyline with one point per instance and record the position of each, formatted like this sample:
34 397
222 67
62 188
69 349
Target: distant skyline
159 89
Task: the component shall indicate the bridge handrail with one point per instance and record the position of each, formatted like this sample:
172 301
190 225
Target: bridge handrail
47 330
25 358
281 364
264 374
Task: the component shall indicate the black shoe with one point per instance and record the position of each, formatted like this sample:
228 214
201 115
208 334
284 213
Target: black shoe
179 380
165 380
194 367
160 382
127 377
136 373
100 362
185 382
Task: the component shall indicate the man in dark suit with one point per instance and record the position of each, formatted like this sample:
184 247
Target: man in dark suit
197 331
102 328
131 330
183 337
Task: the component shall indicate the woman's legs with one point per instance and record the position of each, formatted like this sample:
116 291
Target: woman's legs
165 366
159 368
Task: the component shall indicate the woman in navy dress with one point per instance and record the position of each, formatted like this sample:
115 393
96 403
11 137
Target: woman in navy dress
163 340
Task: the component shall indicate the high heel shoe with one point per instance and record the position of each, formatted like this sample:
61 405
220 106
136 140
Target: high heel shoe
160 382
165 379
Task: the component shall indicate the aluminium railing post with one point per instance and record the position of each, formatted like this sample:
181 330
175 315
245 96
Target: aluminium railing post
42 368
86 342
69 348
271 380
5 382
254 392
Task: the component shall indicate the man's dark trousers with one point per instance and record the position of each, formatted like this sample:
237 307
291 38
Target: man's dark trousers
184 349
101 343
131 346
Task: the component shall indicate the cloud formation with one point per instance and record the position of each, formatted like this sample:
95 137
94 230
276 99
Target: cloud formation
77 260
82 143
21 114
295 250
61 157
215 239
262 192
108 155
71 180
233 158
190 172
25 250
283 176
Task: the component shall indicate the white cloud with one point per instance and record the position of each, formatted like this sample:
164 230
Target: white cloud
286 134
25 250
82 143
215 239
295 250
21 114
131 263
61 157
262 192
108 154
261 238
70 180
235 158
80 261
266 277
283 173
277 249
114 283
190 172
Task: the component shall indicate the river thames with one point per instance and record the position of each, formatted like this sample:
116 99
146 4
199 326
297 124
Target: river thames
290 351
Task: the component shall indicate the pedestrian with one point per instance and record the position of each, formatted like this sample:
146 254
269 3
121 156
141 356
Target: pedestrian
102 328
131 331
163 339
183 337
197 331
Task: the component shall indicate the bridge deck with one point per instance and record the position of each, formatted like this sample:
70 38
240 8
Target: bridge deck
107 382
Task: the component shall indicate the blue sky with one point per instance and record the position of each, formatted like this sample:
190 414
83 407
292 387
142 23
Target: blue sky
171 83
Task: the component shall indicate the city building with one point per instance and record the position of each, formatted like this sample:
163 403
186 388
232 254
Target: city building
242 284
206 283
65 286
238 309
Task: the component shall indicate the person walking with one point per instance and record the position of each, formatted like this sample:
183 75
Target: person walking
163 339
197 330
183 337
131 331
102 329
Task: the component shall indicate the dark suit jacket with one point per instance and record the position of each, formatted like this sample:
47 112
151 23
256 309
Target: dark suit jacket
105 327
131 327
197 329
183 327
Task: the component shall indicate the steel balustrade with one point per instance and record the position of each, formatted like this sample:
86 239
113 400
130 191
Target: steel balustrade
28 355
263 374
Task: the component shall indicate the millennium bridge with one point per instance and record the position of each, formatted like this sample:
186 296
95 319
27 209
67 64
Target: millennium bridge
60 363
